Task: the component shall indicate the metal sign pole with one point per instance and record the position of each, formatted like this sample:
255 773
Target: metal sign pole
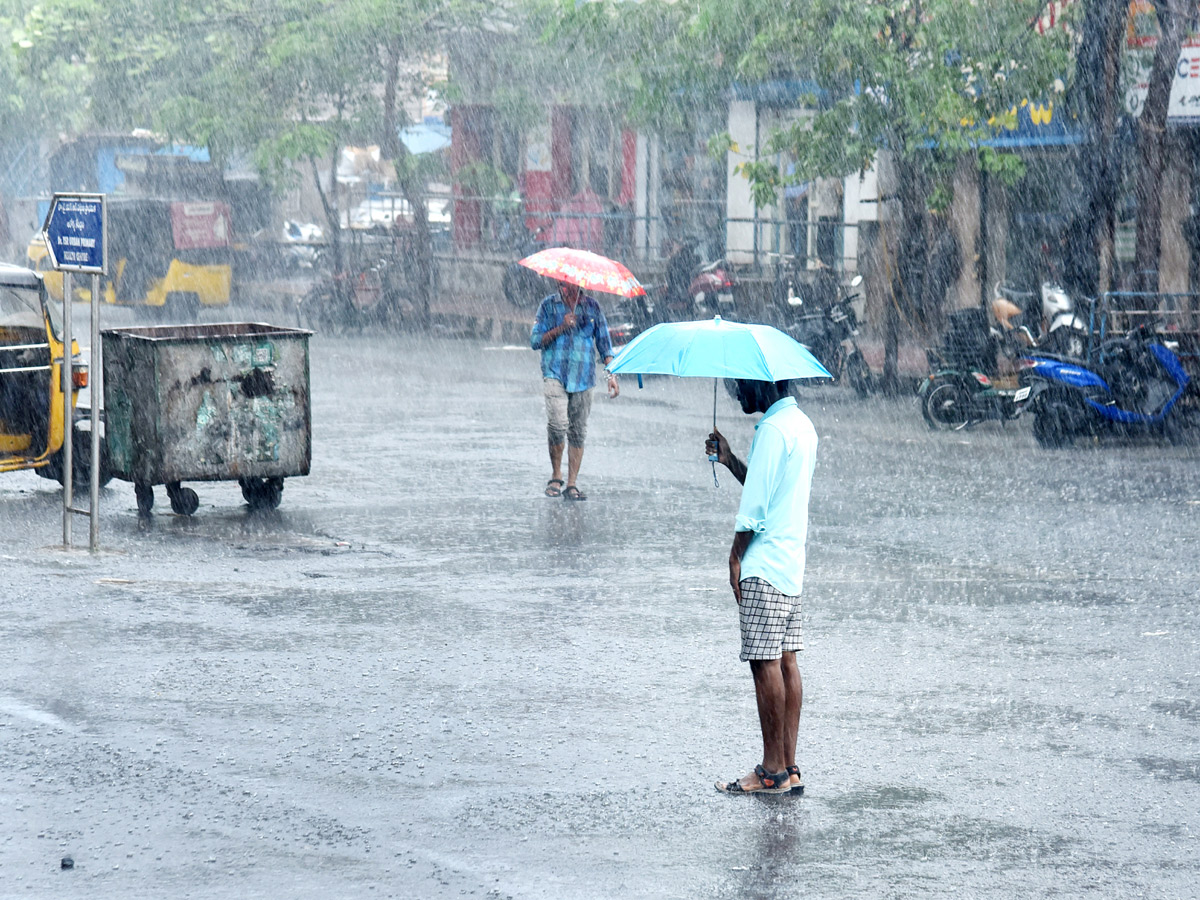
96 392
76 237
68 415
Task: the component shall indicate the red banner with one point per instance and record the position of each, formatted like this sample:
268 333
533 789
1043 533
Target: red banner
201 226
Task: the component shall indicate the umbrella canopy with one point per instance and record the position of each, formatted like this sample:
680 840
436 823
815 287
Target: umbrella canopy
586 269
718 348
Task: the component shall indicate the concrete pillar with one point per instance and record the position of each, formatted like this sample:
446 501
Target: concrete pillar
1174 252
964 223
641 196
739 204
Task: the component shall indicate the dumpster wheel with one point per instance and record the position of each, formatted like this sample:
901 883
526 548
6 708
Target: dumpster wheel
262 493
184 501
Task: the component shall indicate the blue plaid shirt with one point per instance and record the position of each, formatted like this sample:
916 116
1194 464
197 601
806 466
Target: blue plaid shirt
570 357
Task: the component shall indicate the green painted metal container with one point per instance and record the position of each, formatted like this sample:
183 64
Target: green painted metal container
207 403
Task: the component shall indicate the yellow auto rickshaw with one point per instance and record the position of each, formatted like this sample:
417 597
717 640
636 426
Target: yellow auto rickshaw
31 394
172 256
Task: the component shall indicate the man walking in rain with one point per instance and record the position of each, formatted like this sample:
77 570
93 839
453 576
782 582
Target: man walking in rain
766 571
570 330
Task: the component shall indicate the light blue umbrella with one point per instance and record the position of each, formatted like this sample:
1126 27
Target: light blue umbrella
716 349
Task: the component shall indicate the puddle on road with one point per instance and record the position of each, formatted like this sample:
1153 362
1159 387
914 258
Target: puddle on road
12 707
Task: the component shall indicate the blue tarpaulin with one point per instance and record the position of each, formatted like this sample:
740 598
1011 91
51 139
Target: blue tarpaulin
429 136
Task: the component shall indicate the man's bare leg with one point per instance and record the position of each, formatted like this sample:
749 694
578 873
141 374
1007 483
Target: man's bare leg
556 453
794 698
574 458
771 694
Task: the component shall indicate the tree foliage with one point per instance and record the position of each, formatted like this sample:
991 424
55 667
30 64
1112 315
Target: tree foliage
912 76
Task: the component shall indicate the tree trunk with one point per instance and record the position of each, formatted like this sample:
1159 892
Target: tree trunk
1151 144
909 275
329 206
1090 247
420 265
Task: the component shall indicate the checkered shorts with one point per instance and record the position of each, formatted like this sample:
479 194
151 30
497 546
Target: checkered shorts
770 621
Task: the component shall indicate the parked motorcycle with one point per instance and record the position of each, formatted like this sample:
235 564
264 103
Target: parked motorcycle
633 316
1136 386
711 291
1048 317
303 243
371 297
830 332
696 289
959 391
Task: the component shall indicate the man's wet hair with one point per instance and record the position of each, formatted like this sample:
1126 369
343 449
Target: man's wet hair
762 390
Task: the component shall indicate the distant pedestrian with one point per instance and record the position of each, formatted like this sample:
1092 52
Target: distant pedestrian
570 330
766 572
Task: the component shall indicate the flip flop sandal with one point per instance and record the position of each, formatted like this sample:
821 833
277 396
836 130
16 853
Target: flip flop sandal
573 493
551 490
795 782
769 783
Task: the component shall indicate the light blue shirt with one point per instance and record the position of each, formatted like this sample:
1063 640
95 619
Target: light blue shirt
774 503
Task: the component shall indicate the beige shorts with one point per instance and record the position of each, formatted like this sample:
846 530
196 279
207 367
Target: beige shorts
566 414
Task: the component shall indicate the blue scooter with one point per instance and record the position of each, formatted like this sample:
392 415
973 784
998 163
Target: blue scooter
1135 386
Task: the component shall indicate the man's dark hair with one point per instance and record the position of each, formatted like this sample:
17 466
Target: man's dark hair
764 392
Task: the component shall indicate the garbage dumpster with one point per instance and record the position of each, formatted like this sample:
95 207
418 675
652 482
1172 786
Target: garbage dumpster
222 402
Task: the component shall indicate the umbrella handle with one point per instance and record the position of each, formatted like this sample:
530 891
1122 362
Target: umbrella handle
713 457
717 444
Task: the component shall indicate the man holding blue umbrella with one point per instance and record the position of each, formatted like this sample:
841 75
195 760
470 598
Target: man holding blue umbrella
766 571
766 562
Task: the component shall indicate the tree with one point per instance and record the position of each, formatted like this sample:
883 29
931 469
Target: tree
290 81
1091 235
412 37
1174 17
924 80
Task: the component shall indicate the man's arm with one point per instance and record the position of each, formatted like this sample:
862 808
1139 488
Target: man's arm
718 446
603 343
543 334
553 334
741 540
757 487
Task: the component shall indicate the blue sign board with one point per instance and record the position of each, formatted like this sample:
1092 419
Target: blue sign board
76 233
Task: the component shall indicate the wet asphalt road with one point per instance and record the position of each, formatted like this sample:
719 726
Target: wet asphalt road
420 678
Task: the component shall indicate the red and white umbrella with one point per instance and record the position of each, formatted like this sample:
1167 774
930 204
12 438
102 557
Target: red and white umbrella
590 271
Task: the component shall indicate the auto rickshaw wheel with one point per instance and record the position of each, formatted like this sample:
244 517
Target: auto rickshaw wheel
81 462
184 501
